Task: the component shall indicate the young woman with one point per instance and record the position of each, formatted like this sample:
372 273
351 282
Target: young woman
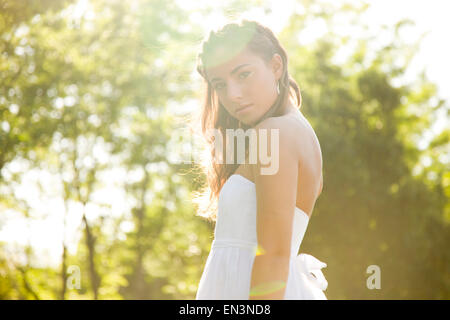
260 218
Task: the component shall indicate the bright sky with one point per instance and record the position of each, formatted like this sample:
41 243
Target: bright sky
46 234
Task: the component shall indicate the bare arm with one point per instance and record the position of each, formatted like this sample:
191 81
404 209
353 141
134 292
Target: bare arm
276 201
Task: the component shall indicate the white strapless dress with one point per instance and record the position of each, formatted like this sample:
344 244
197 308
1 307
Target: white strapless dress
228 269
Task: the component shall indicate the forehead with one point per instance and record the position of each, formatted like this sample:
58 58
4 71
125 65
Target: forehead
224 69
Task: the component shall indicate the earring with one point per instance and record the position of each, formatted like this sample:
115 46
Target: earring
278 87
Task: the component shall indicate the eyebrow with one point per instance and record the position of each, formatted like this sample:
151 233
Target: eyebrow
233 71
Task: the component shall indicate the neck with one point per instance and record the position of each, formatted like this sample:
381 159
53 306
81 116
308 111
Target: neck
289 108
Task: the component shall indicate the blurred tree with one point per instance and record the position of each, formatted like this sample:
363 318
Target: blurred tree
372 209
20 66
90 93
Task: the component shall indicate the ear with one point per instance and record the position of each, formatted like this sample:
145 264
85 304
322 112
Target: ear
277 66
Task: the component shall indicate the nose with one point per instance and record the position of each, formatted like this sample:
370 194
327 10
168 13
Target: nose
234 92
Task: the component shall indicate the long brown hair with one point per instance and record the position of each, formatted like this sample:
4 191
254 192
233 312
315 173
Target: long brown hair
218 47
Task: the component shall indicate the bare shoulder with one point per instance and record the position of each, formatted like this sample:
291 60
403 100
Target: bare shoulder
299 149
287 126
290 131
297 137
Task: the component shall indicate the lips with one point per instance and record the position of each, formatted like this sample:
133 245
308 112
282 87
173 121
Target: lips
243 107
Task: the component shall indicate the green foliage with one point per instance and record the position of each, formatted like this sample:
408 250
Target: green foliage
86 99
373 209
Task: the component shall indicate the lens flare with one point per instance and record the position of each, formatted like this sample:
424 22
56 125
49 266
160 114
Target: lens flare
267 288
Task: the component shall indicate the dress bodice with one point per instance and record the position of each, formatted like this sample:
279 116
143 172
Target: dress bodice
236 219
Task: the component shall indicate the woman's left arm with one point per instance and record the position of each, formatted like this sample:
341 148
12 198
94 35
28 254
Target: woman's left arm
276 194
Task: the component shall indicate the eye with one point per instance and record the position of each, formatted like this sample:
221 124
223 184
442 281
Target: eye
246 74
243 75
218 87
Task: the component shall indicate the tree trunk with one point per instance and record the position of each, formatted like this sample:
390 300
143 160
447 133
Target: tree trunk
90 243
64 273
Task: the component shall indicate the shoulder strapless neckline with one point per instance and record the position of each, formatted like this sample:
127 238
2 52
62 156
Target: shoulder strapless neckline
253 184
